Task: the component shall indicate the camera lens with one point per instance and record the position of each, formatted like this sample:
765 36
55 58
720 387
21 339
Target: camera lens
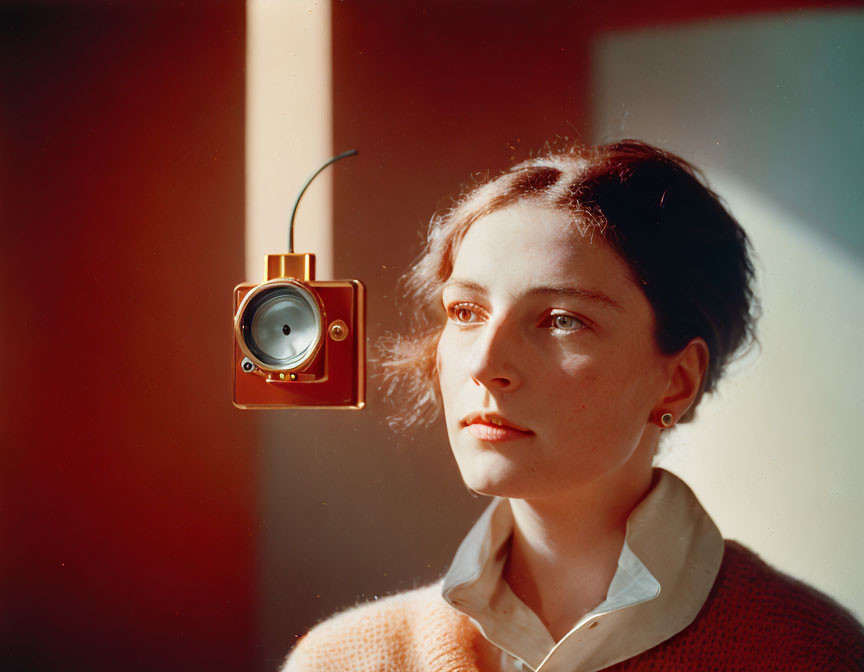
282 326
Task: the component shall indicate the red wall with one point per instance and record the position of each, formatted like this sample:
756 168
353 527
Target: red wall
127 527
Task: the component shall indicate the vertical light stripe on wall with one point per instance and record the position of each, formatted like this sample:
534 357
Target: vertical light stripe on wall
288 136
288 130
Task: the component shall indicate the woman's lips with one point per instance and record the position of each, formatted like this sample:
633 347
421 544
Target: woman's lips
491 427
488 432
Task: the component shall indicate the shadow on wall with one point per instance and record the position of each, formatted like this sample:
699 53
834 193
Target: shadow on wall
127 527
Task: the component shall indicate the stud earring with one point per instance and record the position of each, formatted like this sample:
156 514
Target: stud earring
666 420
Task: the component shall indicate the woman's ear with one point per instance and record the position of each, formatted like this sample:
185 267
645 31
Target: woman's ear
686 375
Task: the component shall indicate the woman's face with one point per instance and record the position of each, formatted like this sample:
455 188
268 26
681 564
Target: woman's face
548 367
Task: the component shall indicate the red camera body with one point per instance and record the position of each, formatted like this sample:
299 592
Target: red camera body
299 343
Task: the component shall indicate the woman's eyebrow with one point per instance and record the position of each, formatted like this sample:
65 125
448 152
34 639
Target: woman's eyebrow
555 290
465 284
576 292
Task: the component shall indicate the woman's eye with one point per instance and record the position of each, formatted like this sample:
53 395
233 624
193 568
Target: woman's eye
463 313
568 323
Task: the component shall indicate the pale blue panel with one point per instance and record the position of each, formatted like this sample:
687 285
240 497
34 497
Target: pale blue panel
778 102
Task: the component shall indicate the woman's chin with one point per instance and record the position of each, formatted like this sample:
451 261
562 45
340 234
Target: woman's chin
496 477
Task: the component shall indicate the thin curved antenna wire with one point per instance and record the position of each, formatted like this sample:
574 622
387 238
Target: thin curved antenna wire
343 155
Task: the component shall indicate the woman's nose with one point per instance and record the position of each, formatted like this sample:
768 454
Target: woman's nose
494 360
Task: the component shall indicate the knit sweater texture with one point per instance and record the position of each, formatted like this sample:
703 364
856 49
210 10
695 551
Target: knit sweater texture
755 619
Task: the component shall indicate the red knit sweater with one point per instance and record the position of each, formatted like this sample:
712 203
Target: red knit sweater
754 619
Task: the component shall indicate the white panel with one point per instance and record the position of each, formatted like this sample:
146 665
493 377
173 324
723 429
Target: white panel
288 130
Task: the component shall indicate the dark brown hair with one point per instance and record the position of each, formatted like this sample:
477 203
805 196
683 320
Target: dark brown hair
688 254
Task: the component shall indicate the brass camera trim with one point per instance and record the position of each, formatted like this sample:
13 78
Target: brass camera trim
265 287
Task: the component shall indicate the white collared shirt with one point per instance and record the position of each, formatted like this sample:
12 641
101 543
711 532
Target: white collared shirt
671 555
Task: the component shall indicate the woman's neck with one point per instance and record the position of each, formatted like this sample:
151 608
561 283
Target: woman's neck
564 551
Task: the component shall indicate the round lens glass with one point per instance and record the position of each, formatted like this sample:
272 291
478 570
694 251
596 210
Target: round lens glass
282 326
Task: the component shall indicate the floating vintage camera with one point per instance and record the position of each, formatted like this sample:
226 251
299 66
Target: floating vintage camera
298 342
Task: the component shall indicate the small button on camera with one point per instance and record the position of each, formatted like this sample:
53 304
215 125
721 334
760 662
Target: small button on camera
338 330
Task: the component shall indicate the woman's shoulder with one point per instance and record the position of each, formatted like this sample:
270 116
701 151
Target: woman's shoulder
776 615
398 632
758 618
752 581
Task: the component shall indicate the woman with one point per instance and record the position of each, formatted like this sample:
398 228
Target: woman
572 311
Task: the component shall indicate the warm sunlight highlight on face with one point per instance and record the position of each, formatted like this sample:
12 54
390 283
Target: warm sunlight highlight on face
548 368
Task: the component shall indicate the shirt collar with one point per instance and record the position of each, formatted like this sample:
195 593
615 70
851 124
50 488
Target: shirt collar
670 558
